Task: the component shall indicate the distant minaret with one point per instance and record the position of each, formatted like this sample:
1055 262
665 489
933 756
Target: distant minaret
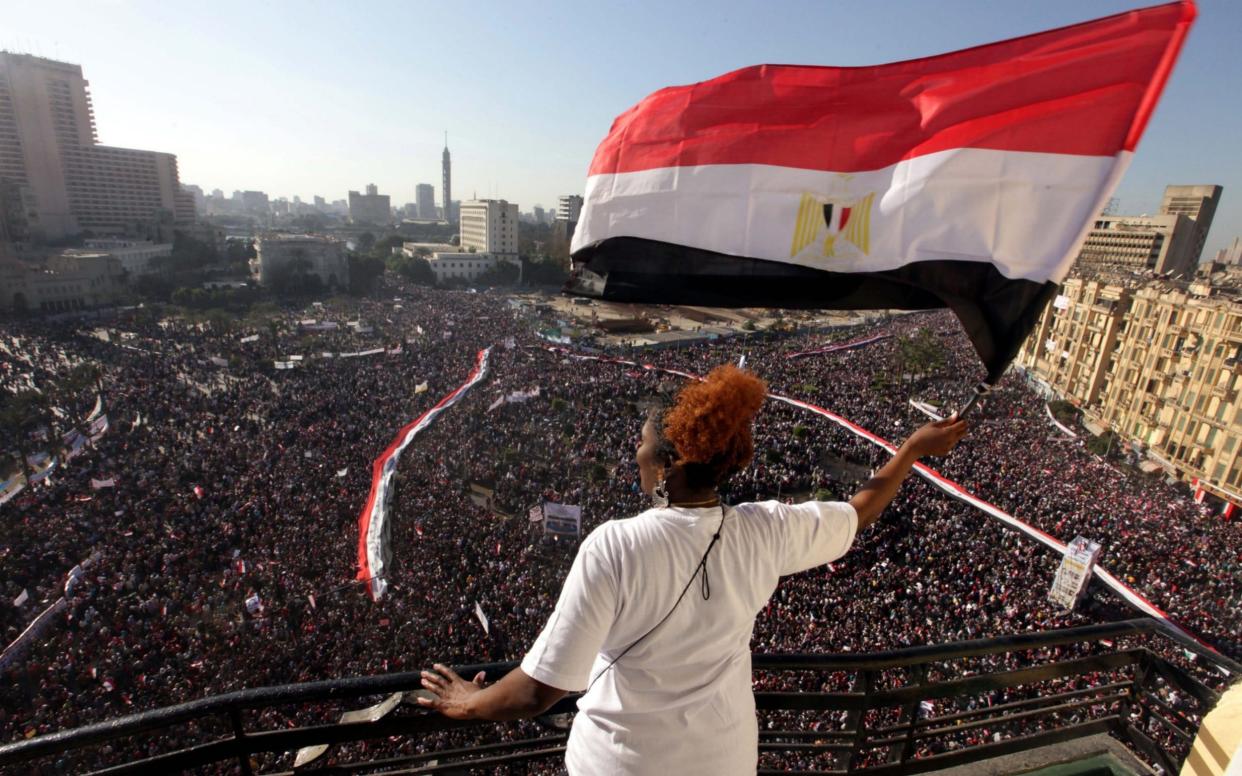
447 183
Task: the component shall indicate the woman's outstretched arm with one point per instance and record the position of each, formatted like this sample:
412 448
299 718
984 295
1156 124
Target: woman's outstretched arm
931 439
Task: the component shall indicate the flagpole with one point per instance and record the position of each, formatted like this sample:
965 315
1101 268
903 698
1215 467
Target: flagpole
981 390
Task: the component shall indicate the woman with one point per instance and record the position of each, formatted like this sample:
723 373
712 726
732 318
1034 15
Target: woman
656 615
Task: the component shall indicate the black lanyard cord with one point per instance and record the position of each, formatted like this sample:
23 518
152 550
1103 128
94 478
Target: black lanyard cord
706 592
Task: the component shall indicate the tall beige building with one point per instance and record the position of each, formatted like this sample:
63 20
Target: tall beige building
1156 361
370 208
490 226
1198 203
60 180
1163 244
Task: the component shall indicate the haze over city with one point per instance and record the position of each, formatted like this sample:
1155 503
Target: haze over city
324 98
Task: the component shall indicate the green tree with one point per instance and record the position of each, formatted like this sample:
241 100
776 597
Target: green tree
75 392
295 278
190 253
364 242
382 248
544 272
21 414
414 269
920 354
502 274
364 272
1105 445
1063 411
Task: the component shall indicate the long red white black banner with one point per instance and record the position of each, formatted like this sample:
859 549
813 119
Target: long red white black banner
1127 593
374 551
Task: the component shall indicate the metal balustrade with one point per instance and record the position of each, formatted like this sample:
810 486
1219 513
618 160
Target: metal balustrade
898 712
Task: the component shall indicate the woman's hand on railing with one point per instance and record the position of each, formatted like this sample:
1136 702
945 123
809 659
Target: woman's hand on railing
452 693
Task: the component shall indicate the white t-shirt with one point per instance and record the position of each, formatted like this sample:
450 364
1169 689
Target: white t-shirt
681 701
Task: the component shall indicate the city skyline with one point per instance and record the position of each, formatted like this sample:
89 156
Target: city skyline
263 106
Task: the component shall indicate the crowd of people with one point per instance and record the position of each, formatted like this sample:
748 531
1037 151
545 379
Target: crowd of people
223 554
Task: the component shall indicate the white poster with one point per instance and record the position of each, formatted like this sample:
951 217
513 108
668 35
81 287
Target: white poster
562 519
1071 580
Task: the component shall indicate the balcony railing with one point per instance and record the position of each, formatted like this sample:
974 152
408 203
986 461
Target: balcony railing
900 712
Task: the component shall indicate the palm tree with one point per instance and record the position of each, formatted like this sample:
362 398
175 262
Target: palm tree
21 414
73 393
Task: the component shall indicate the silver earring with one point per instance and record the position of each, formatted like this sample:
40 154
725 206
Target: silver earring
659 495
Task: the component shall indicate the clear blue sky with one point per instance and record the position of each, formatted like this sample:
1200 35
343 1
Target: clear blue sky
320 97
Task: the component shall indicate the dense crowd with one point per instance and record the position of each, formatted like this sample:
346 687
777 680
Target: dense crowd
243 483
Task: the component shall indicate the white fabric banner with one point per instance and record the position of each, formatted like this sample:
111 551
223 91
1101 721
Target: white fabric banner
926 409
478 612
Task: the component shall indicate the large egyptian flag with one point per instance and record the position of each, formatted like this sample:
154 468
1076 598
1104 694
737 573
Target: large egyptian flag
965 180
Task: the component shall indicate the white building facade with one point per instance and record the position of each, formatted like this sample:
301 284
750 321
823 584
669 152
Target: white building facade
460 266
490 226
321 256
135 256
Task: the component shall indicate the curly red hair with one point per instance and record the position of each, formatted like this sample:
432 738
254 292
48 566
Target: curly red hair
710 423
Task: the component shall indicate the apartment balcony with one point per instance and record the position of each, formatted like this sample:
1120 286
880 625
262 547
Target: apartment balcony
917 710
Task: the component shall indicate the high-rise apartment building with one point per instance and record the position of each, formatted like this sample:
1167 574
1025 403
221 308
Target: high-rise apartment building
370 208
490 226
1232 254
1156 361
68 182
1198 203
1163 244
425 200
568 208
446 181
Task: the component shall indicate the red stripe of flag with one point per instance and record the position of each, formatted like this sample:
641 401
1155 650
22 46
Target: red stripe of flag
1087 89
